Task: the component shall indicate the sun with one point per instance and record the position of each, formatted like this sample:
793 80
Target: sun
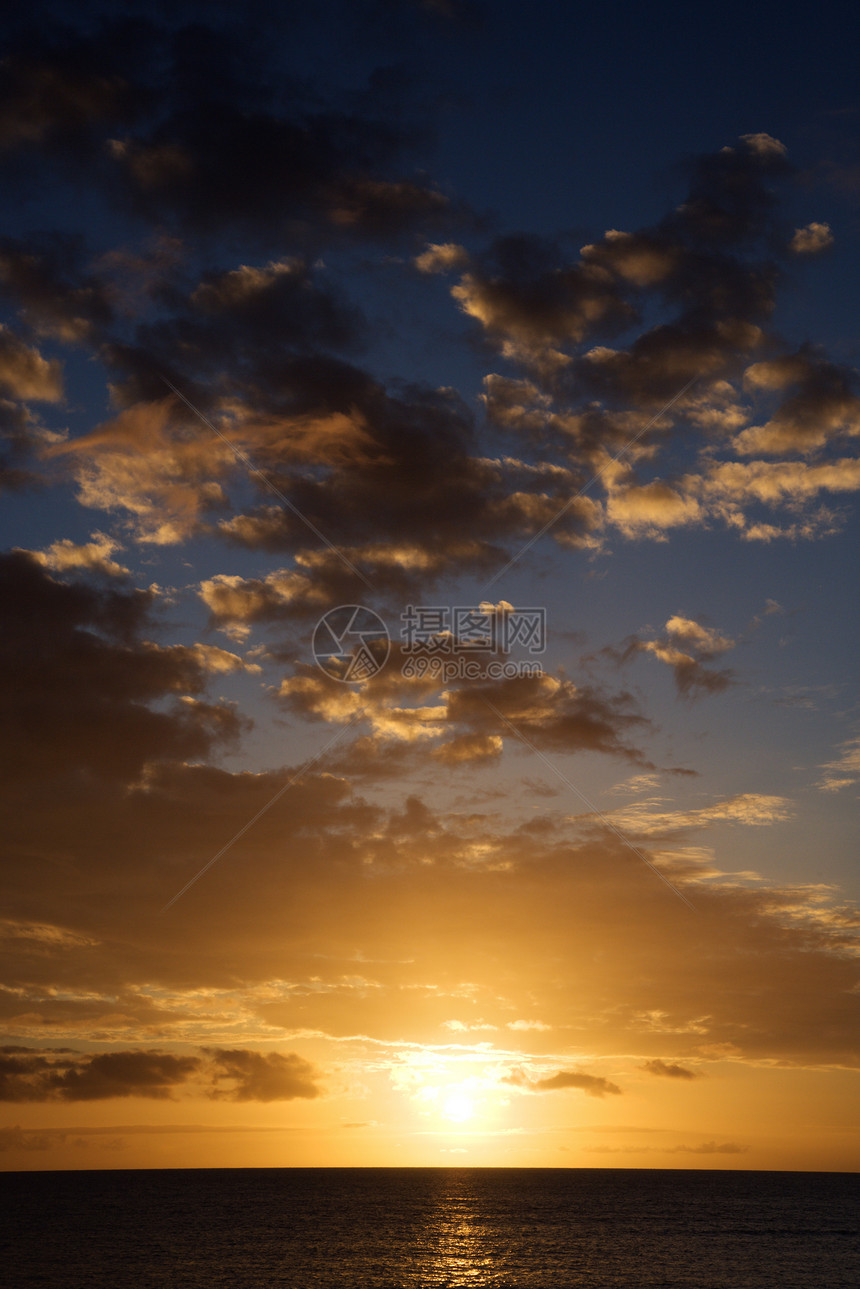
458 1106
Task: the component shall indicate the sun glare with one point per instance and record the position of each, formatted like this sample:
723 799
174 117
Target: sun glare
457 1106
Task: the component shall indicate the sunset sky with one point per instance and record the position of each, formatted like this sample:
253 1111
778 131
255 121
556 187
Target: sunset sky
539 320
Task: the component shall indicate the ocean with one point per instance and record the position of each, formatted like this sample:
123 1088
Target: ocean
413 1228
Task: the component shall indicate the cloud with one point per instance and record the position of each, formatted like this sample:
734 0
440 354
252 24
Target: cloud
531 303
54 98
261 1076
366 469
650 510
282 303
549 712
142 463
235 1074
16 1139
592 1085
686 647
251 160
31 1076
711 1148
318 581
669 1071
644 259
772 482
469 749
86 692
709 359
442 258
752 809
56 291
83 102
730 492
705 640
20 438
770 966
844 772
821 405
260 347
50 937
811 240
468 1027
706 1148
687 259
25 374
93 556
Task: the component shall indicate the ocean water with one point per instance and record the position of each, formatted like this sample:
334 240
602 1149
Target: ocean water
392 1228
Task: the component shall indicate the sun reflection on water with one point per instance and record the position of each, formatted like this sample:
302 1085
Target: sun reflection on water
459 1248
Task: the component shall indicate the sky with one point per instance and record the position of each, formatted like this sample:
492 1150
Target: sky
429 470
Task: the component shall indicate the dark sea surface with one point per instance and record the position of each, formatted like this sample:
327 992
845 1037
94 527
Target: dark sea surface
387 1228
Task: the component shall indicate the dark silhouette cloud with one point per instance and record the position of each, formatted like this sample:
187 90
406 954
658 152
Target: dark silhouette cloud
81 684
687 647
261 1076
31 1076
593 1085
16 1139
62 87
237 1074
668 1070
711 1148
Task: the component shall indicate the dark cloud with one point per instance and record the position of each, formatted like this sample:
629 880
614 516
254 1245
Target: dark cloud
589 1083
261 1076
551 713
529 299
84 692
58 295
536 306
16 1139
821 404
593 1085
706 1148
711 269
475 717
200 126
62 88
469 749
17 445
235 1074
687 647
122 1074
730 201
245 146
367 468
36 1077
266 310
668 1070
25 374
259 348
711 1148
329 913
218 167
